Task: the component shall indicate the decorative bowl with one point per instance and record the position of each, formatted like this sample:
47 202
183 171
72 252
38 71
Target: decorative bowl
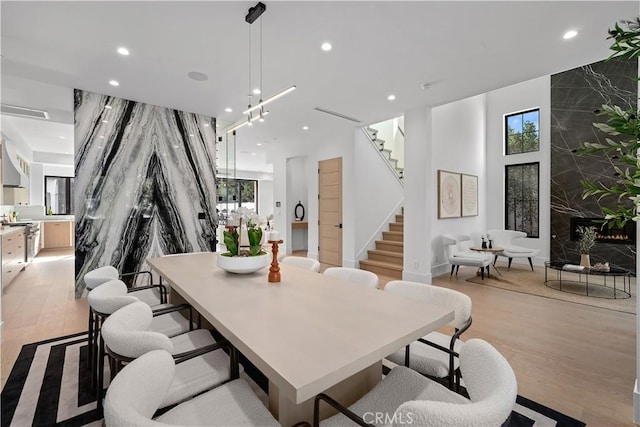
243 265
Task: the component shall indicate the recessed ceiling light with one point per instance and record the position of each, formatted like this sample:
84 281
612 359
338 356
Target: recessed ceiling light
61 137
197 76
570 34
391 97
123 51
326 46
108 107
256 91
114 83
101 136
305 127
259 144
105 121
228 110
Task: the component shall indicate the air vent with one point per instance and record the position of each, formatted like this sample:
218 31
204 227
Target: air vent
24 112
333 113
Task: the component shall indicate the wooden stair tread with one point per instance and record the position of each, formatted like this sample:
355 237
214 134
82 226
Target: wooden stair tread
396 233
386 253
382 264
390 242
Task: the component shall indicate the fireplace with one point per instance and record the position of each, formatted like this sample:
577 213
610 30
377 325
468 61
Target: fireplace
604 234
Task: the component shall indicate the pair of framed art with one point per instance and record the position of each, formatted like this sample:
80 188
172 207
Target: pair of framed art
457 194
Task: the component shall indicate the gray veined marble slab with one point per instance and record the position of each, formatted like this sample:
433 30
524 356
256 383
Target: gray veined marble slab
143 173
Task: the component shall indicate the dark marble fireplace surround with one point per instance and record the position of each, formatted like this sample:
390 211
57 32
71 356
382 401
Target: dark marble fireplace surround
575 96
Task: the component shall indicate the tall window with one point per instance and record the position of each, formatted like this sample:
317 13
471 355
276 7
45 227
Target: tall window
522 132
522 208
58 195
233 193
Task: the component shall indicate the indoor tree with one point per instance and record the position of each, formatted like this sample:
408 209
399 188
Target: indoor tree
622 130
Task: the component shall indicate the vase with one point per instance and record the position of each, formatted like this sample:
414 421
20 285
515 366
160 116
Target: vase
585 261
243 264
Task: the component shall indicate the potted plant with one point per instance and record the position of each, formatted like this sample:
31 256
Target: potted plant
585 243
243 240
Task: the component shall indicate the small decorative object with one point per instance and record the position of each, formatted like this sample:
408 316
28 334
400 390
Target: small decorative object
484 243
50 211
236 259
601 267
585 243
274 270
299 211
490 245
269 222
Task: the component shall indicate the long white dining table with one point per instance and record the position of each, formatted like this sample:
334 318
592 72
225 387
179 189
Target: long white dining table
308 333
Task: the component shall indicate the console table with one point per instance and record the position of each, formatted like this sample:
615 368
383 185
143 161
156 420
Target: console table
599 287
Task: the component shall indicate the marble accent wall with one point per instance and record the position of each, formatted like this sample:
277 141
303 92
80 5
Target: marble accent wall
575 95
145 183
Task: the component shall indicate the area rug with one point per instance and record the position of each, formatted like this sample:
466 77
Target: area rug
49 386
522 279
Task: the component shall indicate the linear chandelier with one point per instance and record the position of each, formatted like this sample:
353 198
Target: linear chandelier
253 14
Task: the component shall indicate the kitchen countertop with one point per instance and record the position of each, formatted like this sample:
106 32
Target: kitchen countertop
9 230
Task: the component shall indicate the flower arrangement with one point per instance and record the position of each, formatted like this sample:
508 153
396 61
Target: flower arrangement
232 237
587 239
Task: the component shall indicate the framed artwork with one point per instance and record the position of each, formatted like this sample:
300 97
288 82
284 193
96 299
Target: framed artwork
448 194
469 195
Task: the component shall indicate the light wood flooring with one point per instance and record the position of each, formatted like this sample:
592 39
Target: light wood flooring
577 359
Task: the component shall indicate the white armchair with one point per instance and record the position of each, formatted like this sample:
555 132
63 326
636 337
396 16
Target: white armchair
505 239
458 253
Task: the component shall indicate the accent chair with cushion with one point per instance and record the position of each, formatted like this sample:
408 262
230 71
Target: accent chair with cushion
505 239
459 254
407 398
353 275
436 354
302 262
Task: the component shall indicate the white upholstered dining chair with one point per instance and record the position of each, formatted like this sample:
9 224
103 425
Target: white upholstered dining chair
302 262
353 275
435 354
408 398
142 386
201 364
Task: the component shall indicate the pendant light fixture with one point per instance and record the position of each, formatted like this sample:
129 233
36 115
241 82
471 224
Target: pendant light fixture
257 112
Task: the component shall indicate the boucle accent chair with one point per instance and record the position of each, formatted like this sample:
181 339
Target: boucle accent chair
201 364
458 253
505 239
139 390
436 354
354 275
302 262
405 397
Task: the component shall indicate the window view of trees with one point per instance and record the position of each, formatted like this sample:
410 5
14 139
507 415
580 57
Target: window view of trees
233 193
522 132
521 201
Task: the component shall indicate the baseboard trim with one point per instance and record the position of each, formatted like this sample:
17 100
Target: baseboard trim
636 403
416 277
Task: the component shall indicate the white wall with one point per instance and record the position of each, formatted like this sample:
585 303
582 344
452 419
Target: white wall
458 134
297 191
531 94
378 195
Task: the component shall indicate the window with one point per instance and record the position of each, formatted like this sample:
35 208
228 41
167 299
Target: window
522 132
233 193
521 206
58 195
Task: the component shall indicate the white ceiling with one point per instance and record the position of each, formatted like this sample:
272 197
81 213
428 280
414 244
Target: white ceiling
379 48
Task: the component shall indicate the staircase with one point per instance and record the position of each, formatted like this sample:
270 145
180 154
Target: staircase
387 258
386 153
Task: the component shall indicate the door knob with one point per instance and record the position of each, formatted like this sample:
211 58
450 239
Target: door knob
338 226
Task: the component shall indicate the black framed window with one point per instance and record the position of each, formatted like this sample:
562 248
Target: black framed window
522 208
232 193
522 132
58 195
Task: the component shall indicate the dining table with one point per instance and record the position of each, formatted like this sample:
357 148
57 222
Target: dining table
308 333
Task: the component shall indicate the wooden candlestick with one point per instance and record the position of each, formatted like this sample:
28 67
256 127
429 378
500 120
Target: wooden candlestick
274 270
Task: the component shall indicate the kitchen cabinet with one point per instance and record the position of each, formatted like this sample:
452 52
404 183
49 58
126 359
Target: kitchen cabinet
13 255
16 196
58 234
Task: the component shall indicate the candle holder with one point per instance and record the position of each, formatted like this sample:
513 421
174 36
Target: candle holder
274 270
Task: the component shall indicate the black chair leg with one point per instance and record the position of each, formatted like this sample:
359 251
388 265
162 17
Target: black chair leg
457 269
510 259
482 272
495 258
453 267
90 340
100 387
488 272
531 263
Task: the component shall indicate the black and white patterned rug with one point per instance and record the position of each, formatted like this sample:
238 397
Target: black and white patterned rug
49 386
